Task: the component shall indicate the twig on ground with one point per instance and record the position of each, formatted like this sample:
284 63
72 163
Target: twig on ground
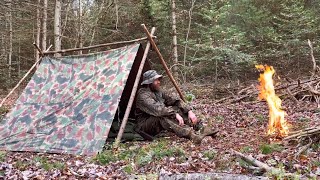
260 164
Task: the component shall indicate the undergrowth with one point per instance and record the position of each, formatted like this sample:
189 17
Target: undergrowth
137 156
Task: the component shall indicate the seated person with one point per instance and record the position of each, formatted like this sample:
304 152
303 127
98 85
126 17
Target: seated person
157 111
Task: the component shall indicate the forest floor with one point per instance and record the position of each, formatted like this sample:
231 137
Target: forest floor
242 126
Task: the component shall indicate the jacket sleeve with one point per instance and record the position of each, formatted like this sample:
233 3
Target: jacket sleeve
148 105
171 100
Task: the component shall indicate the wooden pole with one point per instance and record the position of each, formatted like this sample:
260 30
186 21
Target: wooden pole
133 93
97 46
25 76
163 62
37 47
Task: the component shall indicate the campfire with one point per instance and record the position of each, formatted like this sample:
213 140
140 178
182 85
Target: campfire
277 123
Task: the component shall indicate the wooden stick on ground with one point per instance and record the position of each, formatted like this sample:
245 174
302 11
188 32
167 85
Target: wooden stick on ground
292 96
255 162
260 164
303 148
303 133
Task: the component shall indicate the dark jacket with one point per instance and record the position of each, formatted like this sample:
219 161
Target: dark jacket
158 104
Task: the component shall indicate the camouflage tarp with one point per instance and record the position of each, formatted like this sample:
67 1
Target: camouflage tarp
69 104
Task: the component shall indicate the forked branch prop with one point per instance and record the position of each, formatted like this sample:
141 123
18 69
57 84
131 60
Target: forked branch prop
163 62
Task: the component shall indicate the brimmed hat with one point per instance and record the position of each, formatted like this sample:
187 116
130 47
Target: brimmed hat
150 76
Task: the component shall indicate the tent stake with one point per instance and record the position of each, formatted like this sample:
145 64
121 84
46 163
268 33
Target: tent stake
133 93
163 62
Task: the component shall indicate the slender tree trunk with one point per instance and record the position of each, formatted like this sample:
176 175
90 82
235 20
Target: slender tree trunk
216 73
38 30
174 36
117 13
3 49
57 27
10 37
63 27
96 23
19 59
188 32
44 25
80 27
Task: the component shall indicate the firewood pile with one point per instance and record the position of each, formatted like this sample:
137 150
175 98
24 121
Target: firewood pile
304 138
299 90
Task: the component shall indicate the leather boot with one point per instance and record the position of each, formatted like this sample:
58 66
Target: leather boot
197 139
184 131
208 131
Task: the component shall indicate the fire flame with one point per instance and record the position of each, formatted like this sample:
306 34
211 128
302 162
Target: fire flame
277 123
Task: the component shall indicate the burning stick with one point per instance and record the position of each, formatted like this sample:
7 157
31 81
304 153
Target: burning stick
277 123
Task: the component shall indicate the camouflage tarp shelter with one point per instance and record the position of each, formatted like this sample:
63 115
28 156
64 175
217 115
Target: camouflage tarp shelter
70 102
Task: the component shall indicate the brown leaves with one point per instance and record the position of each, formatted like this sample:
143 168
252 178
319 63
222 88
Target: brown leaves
241 126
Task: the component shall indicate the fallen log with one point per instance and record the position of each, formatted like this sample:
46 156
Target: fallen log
263 166
168 176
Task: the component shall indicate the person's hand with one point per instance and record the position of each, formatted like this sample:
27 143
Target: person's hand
179 119
192 117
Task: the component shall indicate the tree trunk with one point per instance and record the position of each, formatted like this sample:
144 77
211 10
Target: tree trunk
174 37
188 32
10 37
57 27
64 26
38 30
80 27
19 60
3 49
96 23
44 25
117 13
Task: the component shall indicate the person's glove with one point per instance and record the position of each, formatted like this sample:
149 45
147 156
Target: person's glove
179 119
192 117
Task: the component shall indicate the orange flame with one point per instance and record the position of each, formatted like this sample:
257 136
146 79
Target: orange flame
277 123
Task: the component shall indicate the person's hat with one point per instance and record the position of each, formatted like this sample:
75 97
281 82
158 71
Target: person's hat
150 76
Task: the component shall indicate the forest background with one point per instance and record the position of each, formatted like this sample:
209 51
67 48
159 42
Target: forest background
218 42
